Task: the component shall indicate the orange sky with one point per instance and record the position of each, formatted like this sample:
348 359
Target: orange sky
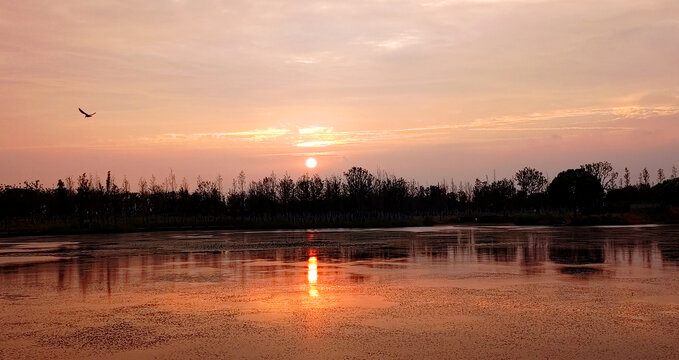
428 89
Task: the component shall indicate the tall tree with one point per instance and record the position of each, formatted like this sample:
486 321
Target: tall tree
627 178
285 189
108 181
530 181
359 182
576 188
645 177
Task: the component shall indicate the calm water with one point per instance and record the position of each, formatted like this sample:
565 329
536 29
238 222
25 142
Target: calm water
435 292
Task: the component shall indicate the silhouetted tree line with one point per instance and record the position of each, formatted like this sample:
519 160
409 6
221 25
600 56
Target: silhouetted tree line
591 189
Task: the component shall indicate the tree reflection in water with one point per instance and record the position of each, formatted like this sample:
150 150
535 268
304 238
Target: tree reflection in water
106 264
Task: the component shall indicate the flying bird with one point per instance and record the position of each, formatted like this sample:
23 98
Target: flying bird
86 114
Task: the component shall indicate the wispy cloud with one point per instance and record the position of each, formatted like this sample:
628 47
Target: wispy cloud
325 143
572 119
315 130
255 135
394 42
252 135
325 154
321 136
397 42
563 120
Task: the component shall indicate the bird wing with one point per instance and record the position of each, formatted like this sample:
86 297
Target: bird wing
81 110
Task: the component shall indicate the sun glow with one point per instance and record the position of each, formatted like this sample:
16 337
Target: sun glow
311 163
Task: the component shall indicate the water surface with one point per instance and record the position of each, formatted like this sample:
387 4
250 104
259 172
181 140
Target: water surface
433 292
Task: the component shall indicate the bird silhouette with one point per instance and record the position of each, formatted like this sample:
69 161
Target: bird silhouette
86 114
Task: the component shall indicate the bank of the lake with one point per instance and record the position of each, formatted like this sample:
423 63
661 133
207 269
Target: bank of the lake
65 226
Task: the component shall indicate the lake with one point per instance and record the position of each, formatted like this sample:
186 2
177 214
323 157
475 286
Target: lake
430 292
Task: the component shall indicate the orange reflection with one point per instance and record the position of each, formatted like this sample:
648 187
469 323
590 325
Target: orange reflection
312 275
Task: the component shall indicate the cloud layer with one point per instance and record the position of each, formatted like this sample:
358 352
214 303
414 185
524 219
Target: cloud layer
360 78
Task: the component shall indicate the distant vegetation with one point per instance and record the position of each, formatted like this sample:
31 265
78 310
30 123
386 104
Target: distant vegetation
591 194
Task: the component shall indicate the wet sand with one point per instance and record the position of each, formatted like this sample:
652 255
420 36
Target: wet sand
410 293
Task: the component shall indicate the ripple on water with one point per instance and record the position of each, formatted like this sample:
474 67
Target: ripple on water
114 336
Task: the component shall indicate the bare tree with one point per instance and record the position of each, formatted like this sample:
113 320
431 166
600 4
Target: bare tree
96 183
70 185
171 182
143 186
661 175
240 182
156 188
111 187
468 190
126 185
604 172
84 185
184 187
219 181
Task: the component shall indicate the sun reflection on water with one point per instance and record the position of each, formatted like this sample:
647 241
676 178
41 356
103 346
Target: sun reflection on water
312 275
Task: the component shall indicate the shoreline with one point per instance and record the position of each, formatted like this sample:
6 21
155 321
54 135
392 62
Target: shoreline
667 216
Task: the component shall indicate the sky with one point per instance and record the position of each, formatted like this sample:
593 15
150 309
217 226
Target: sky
425 89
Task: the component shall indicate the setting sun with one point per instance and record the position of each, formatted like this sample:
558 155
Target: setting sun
311 163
